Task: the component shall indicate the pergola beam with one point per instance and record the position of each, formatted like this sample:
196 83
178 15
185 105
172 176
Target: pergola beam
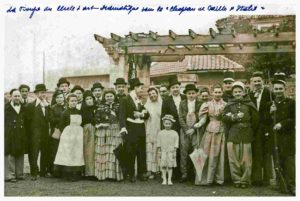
167 58
239 49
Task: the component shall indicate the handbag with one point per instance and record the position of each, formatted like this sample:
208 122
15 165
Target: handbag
56 134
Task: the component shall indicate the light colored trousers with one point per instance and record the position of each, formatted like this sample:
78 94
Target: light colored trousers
240 162
14 166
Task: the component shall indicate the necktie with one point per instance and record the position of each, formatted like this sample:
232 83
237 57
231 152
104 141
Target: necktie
25 101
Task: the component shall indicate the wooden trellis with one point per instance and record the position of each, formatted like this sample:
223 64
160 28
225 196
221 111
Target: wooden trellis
143 48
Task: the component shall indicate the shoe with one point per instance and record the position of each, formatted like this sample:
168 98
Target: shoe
170 183
132 179
13 180
20 178
164 183
183 179
237 185
33 178
48 175
244 186
143 178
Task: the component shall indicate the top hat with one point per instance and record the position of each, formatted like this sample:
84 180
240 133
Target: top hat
190 87
40 87
120 81
97 85
24 86
135 82
173 81
169 117
257 74
77 87
62 80
228 76
238 84
279 78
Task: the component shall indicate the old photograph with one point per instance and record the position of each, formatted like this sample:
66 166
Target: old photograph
107 103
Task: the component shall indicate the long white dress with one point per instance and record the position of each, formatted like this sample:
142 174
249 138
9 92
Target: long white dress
70 149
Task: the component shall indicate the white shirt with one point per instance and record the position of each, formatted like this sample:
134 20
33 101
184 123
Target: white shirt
17 108
78 106
191 106
135 99
43 105
177 100
258 99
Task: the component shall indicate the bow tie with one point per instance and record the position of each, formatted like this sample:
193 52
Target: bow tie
16 104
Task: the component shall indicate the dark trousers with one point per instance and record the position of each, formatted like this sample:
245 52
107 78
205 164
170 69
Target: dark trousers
288 166
53 146
136 148
39 142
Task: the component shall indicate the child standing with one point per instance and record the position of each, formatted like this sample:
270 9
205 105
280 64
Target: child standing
241 118
167 143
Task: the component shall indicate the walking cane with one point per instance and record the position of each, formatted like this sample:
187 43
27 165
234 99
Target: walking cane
279 173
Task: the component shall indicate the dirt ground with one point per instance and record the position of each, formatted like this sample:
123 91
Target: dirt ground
58 187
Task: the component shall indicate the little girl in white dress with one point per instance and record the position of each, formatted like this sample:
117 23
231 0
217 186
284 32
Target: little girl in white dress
167 143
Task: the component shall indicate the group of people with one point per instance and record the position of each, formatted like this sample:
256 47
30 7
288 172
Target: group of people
212 136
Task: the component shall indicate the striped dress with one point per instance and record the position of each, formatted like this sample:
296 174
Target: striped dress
106 140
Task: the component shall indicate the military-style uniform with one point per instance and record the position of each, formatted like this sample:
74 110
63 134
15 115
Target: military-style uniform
240 136
286 138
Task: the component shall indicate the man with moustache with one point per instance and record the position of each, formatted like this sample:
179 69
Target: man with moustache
262 152
97 90
24 90
170 106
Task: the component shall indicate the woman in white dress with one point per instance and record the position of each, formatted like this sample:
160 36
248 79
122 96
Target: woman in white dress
153 124
70 150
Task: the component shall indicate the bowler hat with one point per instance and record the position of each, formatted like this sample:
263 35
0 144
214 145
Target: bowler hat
120 81
190 87
40 87
173 81
77 87
228 76
97 85
279 78
62 80
135 82
24 86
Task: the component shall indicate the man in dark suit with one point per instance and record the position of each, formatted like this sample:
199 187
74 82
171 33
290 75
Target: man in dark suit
170 106
38 116
188 116
262 161
283 109
24 90
121 88
132 116
15 137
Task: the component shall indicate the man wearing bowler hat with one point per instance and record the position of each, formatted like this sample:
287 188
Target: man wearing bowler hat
64 85
132 124
170 106
38 117
121 87
97 90
188 116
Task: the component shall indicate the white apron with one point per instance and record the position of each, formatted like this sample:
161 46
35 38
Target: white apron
70 149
